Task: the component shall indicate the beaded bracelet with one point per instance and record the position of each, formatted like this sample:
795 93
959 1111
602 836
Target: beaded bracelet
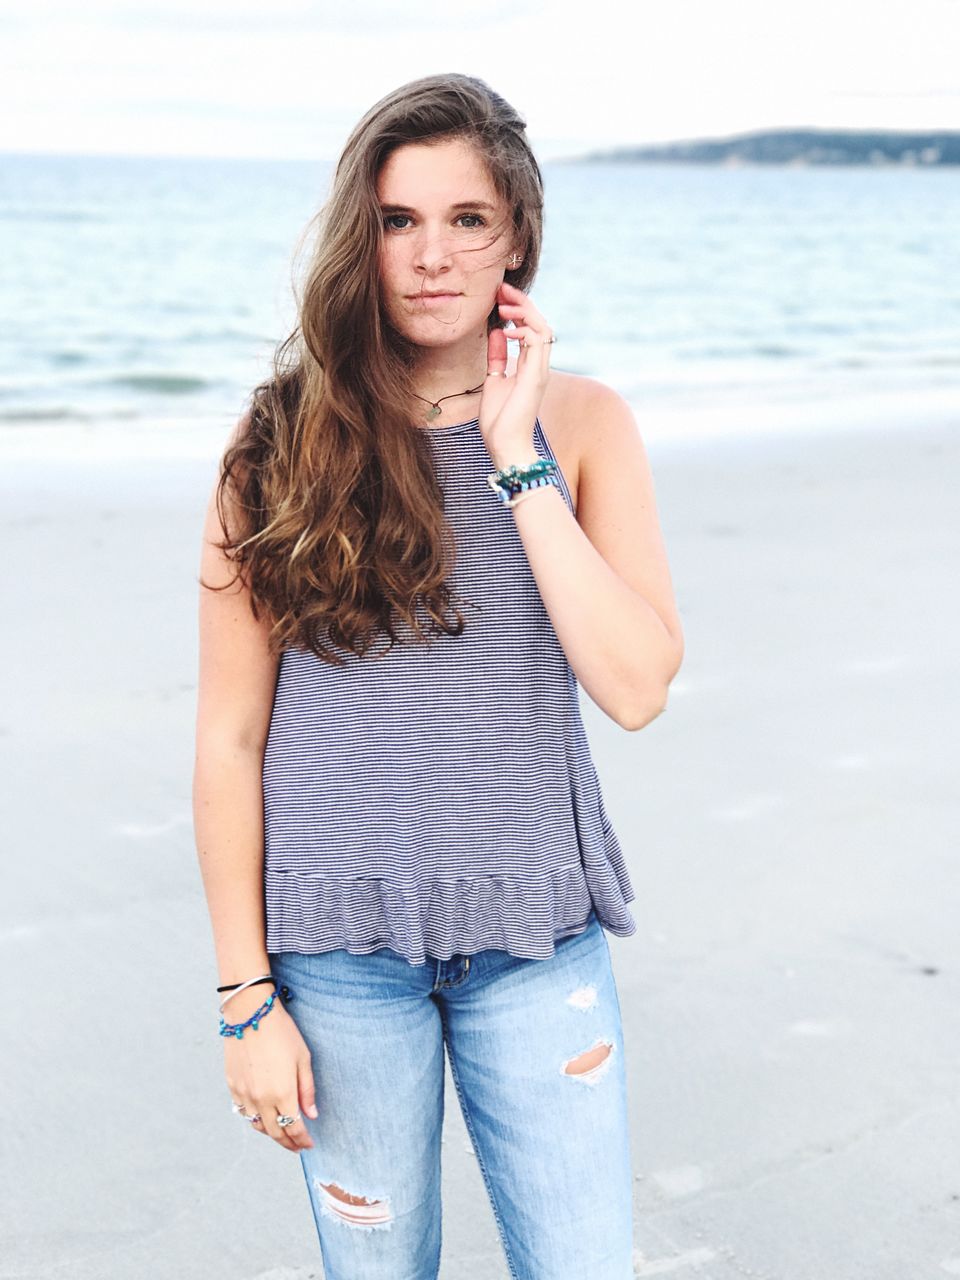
513 484
237 1028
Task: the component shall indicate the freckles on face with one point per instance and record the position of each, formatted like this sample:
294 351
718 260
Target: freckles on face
445 232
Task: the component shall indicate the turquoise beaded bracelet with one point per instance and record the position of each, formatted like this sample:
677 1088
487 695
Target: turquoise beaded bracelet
237 1028
511 484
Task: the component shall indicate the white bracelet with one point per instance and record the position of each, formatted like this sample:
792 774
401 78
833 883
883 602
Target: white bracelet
547 481
528 493
249 983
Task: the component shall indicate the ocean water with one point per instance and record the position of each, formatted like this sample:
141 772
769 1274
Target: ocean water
140 294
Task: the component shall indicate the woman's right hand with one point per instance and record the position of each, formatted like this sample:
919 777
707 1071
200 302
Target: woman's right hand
268 1071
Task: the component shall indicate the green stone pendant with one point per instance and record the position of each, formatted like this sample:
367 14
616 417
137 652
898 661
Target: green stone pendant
434 411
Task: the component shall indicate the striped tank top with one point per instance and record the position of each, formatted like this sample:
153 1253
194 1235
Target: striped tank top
442 799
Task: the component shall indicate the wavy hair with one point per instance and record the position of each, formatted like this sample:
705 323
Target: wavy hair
341 535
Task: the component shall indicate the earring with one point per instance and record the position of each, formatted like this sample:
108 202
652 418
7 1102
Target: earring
515 259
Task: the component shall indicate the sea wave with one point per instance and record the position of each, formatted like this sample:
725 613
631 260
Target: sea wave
64 413
25 214
177 384
68 358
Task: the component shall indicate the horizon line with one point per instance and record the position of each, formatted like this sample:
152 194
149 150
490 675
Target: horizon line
561 156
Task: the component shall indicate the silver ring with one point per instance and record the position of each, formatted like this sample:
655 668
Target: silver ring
238 1109
284 1121
254 1119
547 341
496 373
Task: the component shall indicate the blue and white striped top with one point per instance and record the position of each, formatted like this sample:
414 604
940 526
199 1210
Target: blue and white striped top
442 799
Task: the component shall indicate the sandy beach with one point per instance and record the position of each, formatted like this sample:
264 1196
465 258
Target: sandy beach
790 998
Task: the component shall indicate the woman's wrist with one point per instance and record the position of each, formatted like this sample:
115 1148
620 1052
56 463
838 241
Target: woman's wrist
240 967
247 1002
521 454
515 483
518 459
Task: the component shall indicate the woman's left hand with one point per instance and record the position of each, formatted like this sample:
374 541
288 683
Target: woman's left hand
509 404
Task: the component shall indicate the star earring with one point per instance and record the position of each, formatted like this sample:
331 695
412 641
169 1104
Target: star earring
514 260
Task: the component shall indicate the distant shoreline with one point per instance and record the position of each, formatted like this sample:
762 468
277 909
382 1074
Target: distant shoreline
790 148
796 148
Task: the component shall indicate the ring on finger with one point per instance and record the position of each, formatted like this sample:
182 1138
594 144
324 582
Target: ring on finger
284 1121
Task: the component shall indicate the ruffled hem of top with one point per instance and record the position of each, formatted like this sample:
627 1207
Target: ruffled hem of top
309 912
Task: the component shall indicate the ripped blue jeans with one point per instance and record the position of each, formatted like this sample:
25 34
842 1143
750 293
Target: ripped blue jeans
536 1054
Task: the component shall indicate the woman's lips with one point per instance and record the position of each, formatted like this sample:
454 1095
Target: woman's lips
428 298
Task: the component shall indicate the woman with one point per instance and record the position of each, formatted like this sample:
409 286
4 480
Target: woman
398 821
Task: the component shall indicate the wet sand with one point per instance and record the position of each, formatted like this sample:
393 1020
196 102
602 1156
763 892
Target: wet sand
789 999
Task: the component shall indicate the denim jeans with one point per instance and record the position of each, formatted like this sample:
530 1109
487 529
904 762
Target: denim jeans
536 1054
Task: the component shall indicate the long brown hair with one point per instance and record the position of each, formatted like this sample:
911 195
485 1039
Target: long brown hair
342 532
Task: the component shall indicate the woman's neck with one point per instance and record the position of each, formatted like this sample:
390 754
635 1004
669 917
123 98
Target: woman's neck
440 378
443 372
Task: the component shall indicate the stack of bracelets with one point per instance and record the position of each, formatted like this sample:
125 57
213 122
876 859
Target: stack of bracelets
513 484
237 1028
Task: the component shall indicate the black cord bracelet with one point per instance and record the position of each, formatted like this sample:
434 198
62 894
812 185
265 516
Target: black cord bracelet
233 985
284 992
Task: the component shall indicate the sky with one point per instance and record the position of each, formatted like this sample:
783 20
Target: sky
289 78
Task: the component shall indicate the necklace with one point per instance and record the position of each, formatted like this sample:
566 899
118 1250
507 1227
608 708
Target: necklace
434 411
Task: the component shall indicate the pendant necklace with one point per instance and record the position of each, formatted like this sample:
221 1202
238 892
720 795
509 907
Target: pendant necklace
434 411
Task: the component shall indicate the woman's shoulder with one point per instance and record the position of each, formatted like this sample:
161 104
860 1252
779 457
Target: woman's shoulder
569 395
573 405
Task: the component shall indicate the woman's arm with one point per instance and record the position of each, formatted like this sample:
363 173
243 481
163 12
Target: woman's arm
603 576
237 680
269 1072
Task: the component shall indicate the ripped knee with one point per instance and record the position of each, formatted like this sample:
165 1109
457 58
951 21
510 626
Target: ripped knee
592 1065
356 1211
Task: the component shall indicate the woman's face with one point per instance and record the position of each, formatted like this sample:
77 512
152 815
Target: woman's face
447 236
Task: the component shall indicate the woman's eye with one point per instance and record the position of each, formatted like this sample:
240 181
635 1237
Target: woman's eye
475 221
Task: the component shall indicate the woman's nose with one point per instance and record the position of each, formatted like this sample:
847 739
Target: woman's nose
432 252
